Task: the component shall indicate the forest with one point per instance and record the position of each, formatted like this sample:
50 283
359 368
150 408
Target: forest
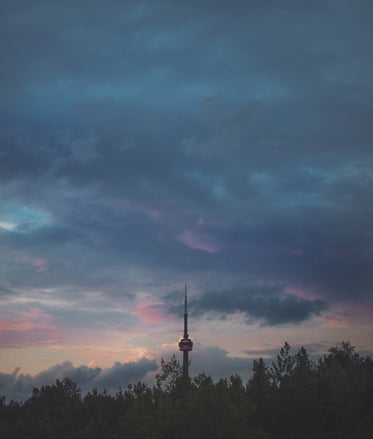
294 397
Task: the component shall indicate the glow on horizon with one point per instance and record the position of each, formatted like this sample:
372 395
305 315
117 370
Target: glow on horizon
33 330
109 347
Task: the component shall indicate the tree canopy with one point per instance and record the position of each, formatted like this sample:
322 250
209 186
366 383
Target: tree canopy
292 398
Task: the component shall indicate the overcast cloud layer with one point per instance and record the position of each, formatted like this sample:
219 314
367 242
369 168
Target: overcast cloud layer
145 143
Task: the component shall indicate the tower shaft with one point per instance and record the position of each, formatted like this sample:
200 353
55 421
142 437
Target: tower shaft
185 364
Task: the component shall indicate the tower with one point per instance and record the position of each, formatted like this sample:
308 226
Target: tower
185 344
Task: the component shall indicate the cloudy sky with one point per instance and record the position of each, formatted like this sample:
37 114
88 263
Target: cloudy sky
148 143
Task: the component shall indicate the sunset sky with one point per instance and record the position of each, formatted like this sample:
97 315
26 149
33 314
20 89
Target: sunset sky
145 144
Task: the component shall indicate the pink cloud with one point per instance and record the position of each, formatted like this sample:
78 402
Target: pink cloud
197 242
339 315
27 328
41 265
304 294
152 314
348 316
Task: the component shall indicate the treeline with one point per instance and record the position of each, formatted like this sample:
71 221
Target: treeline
292 398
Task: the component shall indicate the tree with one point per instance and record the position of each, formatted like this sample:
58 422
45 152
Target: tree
56 409
282 369
294 399
343 378
56 394
171 374
259 391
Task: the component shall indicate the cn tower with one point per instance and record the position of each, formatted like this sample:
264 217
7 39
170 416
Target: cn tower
185 344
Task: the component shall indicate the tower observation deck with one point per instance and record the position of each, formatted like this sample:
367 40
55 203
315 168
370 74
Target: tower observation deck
185 344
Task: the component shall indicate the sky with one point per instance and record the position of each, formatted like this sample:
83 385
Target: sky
145 144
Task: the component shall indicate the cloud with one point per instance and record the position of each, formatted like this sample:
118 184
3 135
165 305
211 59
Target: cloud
151 314
84 149
216 362
18 386
267 303
197 242
314 350
55 315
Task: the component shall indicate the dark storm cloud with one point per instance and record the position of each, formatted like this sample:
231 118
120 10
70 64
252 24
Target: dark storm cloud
328 247
266 303
18 386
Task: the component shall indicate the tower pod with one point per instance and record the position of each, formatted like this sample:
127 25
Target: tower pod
185 344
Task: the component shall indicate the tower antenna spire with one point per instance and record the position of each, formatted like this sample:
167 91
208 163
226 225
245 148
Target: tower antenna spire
185 344
185 313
